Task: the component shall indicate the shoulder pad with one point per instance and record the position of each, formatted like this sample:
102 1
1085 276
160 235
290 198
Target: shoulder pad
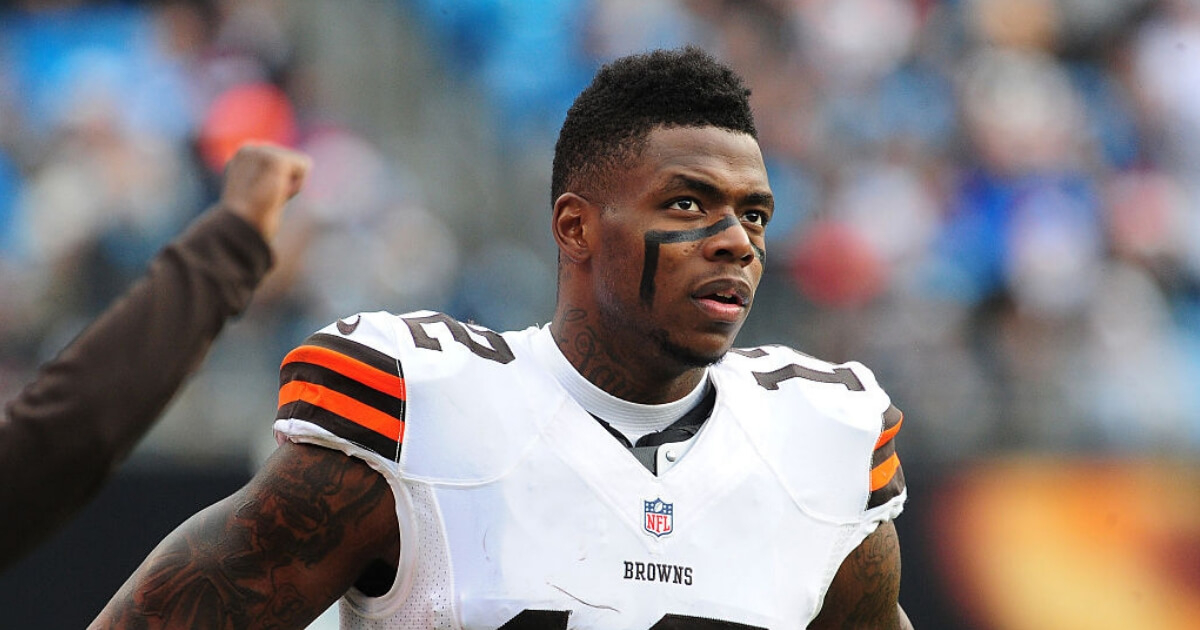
819 420
835 387
347 379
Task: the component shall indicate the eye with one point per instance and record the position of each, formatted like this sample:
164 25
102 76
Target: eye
757 217
686 204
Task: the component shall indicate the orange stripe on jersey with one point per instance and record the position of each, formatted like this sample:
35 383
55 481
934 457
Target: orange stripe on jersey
891 431
350 367
345 406
882 474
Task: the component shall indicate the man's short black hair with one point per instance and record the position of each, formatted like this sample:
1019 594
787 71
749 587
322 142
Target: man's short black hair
609 121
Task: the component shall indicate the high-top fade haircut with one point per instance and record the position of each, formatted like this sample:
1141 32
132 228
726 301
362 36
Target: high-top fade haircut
609 122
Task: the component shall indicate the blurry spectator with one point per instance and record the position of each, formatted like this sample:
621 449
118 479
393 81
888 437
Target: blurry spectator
1008 170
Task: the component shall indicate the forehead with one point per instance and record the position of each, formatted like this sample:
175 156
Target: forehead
727 158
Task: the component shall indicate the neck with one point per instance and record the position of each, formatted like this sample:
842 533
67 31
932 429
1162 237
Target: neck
640 374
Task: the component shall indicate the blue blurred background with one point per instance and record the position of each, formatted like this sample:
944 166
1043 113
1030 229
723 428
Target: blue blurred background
994 204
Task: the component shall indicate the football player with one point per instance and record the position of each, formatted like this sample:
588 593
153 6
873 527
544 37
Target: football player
620 467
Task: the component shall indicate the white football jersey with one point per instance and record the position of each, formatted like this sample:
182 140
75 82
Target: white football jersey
517 509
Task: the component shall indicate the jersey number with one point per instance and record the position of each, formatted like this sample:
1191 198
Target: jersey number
498 350
771 380
557 620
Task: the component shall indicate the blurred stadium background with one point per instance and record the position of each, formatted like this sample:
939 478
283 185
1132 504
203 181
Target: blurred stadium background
995 204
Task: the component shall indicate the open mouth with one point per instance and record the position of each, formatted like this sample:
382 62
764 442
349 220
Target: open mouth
730 292
725 298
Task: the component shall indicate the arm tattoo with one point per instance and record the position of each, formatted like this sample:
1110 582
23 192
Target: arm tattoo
876 567
267 557
865 591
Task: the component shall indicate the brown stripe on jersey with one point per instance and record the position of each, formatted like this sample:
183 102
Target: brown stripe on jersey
343 405
354 350
342 427
890 490
350 389
892 419
330 379
887 476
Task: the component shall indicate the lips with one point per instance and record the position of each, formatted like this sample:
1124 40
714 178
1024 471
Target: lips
724 299
725 290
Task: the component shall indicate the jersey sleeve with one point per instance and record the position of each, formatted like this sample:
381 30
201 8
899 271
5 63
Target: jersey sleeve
825 421
886 489
346 381
887 476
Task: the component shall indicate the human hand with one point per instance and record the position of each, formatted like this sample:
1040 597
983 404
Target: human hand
259 181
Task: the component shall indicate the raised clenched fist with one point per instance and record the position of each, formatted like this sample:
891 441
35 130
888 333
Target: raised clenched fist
259 180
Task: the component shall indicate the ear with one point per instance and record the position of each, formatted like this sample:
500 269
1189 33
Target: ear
573 216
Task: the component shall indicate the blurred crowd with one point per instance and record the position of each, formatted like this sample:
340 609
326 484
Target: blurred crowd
994 204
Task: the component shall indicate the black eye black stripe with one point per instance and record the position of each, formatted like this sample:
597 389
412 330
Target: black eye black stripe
655 238
682 236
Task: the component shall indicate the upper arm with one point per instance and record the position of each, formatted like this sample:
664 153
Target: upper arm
275 554
865 592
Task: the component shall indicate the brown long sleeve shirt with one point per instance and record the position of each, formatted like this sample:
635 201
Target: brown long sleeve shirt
87 408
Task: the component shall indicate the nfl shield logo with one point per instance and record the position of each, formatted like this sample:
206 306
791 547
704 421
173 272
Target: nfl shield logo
659 517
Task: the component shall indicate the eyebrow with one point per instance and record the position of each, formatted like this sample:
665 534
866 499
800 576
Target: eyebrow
684 182
702 187
759 199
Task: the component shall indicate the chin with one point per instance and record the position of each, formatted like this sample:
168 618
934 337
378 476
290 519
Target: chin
692 356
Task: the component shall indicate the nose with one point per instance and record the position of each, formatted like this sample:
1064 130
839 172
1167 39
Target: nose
732 242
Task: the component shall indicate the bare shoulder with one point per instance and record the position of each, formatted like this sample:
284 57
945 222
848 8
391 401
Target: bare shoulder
275 554
865 592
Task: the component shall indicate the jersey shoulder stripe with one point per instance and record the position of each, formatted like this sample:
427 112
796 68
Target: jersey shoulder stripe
366 363
348 388
887 477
